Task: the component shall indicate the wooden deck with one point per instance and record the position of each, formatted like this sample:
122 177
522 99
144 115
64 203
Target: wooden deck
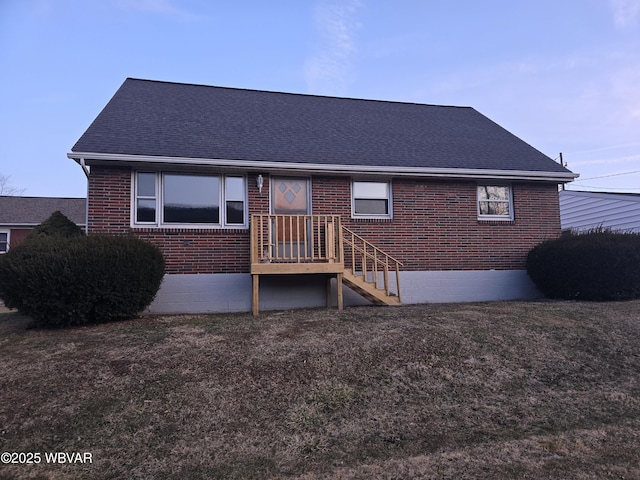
289 244
319 244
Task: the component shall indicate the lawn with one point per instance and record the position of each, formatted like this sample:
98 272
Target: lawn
507 390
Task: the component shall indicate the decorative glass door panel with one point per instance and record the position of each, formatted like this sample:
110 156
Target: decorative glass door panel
291 196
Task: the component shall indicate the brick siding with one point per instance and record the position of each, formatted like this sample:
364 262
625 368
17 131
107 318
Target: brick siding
434 225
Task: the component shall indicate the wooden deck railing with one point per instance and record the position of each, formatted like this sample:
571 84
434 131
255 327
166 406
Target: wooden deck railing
295 239
370 262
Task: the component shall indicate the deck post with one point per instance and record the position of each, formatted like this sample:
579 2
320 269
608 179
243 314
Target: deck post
255 225
340 237
330 243
329 291
255 297
386 278
339 287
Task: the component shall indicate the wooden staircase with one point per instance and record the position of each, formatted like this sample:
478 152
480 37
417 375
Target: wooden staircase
319 244
368 289
368 274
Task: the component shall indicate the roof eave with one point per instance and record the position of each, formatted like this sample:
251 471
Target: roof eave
311 168
29 224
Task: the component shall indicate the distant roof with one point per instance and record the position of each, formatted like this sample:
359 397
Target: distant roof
32 211
581 210
161 119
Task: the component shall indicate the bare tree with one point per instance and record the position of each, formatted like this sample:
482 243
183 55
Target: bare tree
7 189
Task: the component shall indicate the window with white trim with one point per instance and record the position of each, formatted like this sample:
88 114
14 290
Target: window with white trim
4 241
146 197
185 199
495 202
235 193
371 199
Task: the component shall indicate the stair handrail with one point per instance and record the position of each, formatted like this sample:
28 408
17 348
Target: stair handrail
350 238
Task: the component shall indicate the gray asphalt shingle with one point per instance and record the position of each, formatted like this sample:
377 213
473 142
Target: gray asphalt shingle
152 118
35 210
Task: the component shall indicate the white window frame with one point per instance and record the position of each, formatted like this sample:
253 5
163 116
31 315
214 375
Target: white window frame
154 198
508 201
388 198
8 233
226 198
159 201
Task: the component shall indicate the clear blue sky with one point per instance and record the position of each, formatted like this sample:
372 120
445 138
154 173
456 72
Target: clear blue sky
563 75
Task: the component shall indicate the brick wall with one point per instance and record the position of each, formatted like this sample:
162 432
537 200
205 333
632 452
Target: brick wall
17 236
434 225
109 200
185 250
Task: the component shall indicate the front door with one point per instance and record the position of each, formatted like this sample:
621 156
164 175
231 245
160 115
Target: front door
291 198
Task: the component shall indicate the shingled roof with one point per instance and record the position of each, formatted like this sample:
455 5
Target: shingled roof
150 120
32 211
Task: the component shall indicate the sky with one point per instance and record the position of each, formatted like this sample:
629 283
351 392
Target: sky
563 75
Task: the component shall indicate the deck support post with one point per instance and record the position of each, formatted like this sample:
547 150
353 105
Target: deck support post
255 297
339 287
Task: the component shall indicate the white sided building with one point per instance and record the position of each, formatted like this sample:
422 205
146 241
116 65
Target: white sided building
581 211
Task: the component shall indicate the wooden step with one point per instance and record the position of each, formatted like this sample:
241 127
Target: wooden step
368 290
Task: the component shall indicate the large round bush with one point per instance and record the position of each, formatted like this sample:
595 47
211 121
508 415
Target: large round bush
597 265
76 280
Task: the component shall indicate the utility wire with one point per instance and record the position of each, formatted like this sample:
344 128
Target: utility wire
610 175
606 189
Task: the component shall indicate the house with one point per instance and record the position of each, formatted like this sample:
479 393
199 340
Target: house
266 200
19 215
582 211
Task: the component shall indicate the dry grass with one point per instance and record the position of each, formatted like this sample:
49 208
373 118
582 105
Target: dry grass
495 391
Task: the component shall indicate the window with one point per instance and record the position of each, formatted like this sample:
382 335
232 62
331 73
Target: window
371 199
189 199
495 202
146 197
234 197
4 241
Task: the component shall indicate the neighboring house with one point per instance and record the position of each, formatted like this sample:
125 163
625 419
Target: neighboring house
582 211
19 215
257 198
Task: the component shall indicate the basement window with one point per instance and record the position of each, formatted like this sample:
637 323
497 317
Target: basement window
495 202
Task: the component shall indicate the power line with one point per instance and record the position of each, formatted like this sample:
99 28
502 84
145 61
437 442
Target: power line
610 175
603 188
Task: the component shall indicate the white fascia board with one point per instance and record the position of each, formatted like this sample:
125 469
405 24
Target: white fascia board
8 226
25 225
311 168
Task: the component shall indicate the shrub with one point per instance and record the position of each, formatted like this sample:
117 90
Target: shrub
597 265
76 280
57 225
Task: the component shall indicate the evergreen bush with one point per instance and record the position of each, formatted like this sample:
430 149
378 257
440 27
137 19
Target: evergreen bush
597 265
57 225
61 281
